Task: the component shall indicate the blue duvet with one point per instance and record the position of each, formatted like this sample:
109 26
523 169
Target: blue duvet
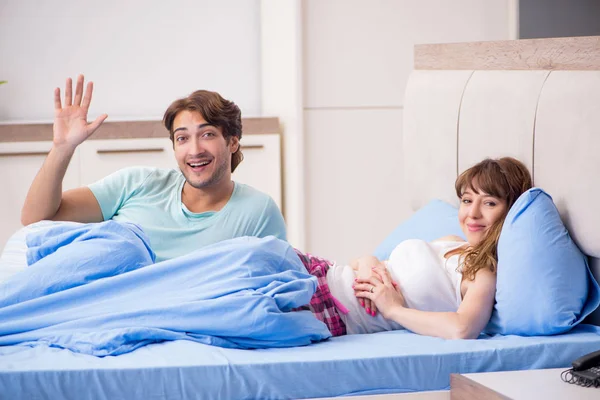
95 289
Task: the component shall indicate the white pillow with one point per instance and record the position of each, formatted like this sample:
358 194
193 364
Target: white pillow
14 255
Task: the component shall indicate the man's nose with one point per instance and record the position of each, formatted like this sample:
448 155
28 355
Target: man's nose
196 147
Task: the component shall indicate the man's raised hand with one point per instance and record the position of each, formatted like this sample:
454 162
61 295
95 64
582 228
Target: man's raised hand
70 119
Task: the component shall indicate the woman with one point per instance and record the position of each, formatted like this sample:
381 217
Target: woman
444 288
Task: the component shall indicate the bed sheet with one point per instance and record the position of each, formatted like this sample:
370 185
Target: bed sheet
386 362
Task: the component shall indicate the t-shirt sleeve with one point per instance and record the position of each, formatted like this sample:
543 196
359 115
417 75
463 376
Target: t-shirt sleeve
271 222
114 190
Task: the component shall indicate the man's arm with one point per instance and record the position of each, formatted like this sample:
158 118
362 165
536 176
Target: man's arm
45 199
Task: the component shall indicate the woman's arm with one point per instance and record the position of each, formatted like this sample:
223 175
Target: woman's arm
466 323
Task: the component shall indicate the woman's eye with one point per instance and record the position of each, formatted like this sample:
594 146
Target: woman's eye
466 201
180 139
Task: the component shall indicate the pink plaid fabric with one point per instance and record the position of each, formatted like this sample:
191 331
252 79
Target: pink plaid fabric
323 305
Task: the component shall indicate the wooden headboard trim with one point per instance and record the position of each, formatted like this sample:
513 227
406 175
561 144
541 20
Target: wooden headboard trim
570 53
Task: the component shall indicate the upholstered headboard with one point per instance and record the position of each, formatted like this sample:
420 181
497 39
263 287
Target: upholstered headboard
536 100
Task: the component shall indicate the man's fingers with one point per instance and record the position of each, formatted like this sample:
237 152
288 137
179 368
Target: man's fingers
68 92
97 122
57 105
87 97
78 91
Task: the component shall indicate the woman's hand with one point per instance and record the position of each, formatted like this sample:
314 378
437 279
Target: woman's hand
380 290
70 119
364 268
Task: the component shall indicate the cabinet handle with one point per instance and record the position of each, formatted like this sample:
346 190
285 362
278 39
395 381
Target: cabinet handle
159 150
118 151
24 153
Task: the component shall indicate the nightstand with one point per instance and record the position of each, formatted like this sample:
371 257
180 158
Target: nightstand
531 384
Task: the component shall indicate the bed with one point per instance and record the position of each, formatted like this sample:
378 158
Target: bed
537 100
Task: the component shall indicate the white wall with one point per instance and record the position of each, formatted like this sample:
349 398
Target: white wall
357 58
141 55
334 71
282 96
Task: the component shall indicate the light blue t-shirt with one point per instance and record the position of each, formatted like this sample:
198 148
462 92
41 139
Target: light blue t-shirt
151 198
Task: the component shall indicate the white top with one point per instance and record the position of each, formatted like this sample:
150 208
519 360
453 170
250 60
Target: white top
428 280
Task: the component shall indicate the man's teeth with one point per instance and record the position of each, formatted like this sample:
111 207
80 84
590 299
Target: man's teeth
199 164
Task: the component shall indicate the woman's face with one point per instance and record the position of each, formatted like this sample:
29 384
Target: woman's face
477 213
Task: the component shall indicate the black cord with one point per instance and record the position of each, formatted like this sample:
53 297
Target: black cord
572 378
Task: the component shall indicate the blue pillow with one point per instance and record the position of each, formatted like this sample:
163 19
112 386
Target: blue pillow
434 220
544 284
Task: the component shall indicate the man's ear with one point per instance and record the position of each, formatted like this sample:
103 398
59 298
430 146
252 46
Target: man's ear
234 144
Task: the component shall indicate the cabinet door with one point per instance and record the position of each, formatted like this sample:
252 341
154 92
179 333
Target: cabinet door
261 167
19 164
100 158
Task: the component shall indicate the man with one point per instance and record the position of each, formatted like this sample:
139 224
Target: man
180 211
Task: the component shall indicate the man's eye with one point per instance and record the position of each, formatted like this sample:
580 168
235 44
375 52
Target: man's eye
491 204
208 134
180 139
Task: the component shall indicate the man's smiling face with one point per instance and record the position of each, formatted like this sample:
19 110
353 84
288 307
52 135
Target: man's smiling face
202 153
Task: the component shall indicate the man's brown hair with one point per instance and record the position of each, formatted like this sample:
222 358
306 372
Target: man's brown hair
216 111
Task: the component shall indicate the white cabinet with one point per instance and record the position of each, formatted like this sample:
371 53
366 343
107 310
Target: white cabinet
19 164
99 158
261 167
94 159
